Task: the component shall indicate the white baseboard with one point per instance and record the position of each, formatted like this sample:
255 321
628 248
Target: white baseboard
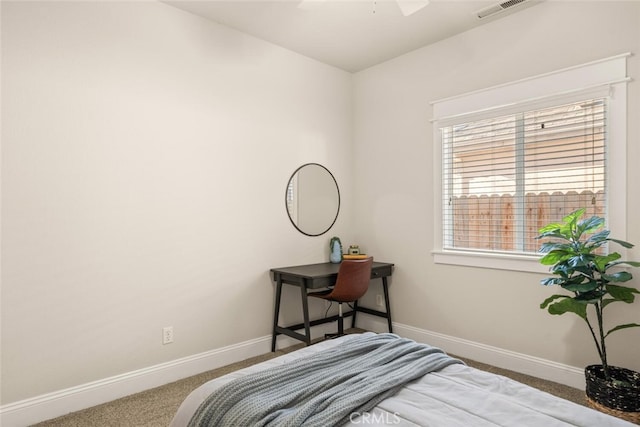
51 405
518 362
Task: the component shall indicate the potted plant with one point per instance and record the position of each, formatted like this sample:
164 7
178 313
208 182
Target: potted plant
582 268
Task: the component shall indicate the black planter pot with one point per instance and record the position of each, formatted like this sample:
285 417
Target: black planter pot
621 392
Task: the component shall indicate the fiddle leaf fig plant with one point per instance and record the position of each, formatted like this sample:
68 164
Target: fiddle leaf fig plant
588 274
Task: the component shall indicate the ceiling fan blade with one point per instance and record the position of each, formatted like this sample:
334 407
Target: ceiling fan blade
409 7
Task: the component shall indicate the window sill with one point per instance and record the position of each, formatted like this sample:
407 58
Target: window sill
498 261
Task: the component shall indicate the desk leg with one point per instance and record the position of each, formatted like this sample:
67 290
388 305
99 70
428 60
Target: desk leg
386 301
305 313
276 313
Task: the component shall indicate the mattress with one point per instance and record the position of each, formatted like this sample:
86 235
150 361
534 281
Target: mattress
457 395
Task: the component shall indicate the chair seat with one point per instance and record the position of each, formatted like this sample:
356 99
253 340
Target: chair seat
321 294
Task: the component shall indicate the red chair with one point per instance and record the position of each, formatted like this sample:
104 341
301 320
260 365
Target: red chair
351 284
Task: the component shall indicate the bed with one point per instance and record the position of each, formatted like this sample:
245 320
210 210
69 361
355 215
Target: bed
450 394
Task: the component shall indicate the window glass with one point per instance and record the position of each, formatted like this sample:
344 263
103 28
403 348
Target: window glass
505 177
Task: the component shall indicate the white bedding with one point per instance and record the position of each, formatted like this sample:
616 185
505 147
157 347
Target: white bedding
458 395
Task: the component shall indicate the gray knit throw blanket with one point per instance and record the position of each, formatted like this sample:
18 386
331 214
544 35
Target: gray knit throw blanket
322 389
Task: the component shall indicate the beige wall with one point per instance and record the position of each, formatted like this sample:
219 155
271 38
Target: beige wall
145 155
394 158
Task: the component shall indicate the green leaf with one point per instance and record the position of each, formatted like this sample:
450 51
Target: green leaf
601 261
568 305
621 276
554 257
622 293
582 260
551 246
552 298
553 227
631 263
625 326
598 237
622 243
588 225
552 281
573 216
581 286
564 269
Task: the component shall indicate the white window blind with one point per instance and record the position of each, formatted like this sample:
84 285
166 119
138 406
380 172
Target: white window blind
506 176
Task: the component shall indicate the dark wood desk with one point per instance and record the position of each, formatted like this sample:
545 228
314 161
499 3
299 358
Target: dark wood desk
314 276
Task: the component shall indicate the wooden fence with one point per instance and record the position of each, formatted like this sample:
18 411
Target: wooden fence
489 222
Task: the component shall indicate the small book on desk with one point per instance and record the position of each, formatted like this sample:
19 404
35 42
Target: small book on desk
359 256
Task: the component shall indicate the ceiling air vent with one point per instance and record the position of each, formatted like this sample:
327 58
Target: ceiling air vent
497 8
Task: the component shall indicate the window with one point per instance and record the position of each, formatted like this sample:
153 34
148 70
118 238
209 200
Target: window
507 176
507 170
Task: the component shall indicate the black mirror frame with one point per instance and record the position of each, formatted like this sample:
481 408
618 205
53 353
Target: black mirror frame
287 209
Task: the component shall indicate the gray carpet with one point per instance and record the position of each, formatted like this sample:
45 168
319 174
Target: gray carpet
156 407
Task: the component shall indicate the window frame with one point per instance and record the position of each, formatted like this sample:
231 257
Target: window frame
606 77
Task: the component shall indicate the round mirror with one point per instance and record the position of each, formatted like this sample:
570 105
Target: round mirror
312 199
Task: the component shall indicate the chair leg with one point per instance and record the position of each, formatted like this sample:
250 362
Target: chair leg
355 311
340 324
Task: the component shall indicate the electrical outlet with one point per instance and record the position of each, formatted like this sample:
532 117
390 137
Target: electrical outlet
167 335
379 300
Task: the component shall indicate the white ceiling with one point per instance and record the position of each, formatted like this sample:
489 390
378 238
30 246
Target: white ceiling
349 34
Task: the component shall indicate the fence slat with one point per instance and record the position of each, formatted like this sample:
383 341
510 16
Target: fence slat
473 221
509 223
496 221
